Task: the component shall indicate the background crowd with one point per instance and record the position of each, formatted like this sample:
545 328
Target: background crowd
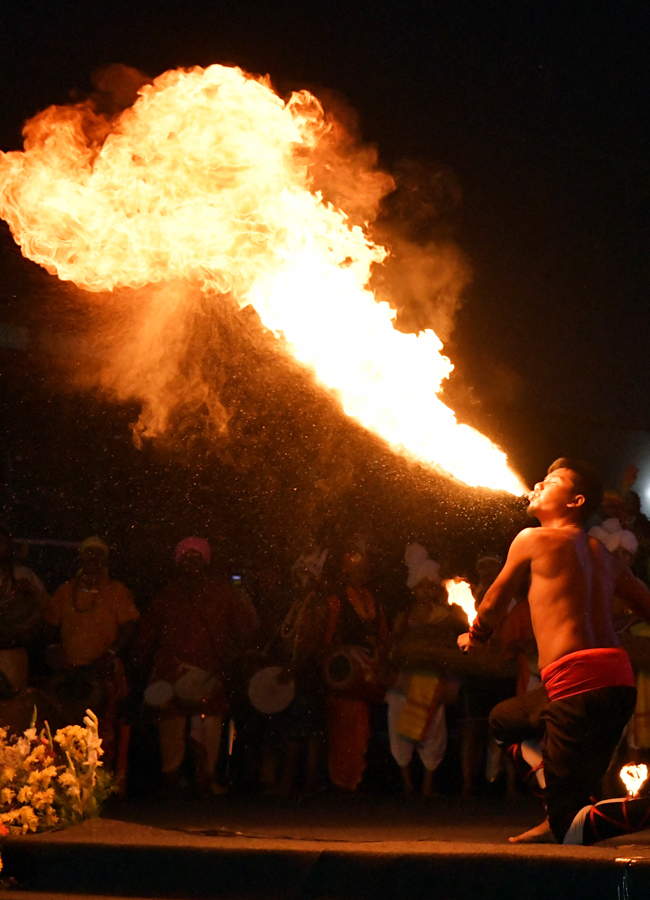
285 681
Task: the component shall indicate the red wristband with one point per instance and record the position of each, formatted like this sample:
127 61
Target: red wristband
480 632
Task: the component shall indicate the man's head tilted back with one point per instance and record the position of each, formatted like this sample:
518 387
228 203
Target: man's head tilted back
572 489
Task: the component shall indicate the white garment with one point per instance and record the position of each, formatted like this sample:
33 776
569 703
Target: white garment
431 751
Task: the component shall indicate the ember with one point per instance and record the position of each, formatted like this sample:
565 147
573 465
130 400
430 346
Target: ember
460 593
207 180
634 777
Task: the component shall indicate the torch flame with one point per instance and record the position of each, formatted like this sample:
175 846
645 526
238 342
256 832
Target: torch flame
460 593
207 179
634 777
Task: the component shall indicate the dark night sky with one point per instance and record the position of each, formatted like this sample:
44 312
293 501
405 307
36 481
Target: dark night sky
539 108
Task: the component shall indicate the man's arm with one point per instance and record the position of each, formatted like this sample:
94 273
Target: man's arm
494 605
633 592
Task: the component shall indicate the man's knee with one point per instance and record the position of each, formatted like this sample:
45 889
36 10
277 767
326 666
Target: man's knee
501 721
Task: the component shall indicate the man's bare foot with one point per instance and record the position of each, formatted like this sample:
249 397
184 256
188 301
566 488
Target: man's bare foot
542 834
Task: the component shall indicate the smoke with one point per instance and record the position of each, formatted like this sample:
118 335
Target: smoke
425 272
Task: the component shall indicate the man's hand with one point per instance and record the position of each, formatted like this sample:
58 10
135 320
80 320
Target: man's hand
466 643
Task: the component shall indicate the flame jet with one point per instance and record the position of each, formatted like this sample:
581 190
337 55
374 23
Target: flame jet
207 178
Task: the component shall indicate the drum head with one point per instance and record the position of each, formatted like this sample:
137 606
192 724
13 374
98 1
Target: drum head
266 693
158 693
340 671
194 685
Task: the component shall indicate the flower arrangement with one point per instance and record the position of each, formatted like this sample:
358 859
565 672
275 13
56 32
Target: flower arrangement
48 783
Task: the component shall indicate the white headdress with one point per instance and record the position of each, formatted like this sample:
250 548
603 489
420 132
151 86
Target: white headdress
420 566
313 563
612 534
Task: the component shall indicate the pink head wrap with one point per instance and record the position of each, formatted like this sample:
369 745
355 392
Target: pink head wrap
192 543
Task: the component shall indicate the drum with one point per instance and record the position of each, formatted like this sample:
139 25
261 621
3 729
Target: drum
353 670
194 685
158 693
267 694
190 688
341 670
417 651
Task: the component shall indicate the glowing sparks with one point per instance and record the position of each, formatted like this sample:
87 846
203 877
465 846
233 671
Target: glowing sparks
460 593
207 179
634 777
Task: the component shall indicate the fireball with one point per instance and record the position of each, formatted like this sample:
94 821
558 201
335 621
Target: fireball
207 180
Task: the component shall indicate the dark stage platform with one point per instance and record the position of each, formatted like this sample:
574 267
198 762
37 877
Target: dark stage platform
326 848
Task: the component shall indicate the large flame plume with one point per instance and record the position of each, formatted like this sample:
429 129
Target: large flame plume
634 777
207 181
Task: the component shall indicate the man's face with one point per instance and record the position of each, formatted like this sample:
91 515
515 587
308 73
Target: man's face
93 562
358 569
427 591
192 564
303 579
625 555
556 495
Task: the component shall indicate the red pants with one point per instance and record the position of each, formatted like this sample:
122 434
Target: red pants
349 730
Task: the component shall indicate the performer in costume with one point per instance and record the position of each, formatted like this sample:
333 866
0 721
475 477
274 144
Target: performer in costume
356 621
588 691
416 699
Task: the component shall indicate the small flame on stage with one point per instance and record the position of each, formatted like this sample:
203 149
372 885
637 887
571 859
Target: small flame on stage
634 777
460 593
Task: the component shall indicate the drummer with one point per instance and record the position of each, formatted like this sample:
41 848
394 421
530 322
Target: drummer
194 628
357 621
416 700
304 723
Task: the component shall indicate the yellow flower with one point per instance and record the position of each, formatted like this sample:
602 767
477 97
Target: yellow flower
29 818
7 795
42 776
36 755
50 818
10 816
25 794
43 798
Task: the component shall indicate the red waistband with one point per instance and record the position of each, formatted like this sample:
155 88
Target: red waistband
587 670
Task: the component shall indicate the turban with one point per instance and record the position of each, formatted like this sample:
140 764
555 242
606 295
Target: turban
489 557
200 545
93 543
420 566
613 535
313 563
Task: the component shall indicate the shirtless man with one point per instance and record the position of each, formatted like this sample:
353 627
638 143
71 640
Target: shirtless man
588 692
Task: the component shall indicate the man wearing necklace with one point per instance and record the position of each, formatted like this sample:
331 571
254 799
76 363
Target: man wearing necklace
588 692
357 622
96 618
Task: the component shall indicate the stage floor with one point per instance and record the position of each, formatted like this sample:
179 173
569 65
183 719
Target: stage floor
325 848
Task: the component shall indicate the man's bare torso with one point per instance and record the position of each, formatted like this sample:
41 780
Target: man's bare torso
571 592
